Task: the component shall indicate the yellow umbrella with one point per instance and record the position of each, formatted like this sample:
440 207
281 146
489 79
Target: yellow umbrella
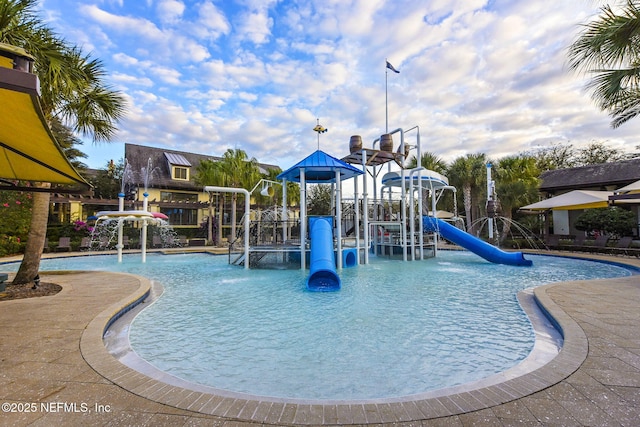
28 150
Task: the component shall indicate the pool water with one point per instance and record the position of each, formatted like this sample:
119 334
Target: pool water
394 329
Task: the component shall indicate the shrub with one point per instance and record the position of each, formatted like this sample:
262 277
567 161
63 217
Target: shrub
614 220
15 211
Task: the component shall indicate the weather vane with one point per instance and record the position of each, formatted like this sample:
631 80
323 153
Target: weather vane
320 129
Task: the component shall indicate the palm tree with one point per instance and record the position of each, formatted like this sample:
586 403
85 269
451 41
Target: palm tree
73 92
467 173
429 161
516 185
608 49
239 172
209 172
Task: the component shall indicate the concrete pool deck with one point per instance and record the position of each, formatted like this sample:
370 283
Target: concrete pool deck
56 370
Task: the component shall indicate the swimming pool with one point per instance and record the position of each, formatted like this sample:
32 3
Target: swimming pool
395 329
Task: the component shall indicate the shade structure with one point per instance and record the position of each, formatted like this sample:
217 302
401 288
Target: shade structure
28 150
573 200
634 187
319 167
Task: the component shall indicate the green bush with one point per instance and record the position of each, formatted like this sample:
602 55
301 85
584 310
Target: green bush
615 221
15 214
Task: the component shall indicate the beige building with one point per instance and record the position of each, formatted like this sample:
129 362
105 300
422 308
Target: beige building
169 185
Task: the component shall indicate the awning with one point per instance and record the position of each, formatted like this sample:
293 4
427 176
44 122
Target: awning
28 150
573 200
634 187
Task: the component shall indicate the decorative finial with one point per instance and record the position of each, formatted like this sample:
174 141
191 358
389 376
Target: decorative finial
320 129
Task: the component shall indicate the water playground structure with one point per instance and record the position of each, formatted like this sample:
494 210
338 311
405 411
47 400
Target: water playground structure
400 220
114 220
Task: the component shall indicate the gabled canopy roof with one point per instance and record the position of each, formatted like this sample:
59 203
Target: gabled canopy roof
28 150
634 187
577 199
320 167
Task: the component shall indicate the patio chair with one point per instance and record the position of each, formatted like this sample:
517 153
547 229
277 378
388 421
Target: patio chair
552 241
64 244
598 245
85 244
624 242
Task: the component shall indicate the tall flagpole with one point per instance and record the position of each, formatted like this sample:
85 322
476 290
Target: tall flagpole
386 97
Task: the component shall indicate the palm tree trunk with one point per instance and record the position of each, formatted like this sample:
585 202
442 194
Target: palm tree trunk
466 194
35 240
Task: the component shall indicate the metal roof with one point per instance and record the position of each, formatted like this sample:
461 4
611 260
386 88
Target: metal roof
320 167
177 159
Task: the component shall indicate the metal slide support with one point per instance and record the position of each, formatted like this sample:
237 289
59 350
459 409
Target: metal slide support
303 219
412 218
338 220
356 225
284 211
365 203
247 207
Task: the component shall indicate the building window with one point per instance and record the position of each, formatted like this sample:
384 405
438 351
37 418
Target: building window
180 216
177 197
180 173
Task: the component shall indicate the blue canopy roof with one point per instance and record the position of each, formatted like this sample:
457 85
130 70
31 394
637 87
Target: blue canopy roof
320 167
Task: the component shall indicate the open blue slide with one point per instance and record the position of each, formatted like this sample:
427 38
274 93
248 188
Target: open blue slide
322 262
473 244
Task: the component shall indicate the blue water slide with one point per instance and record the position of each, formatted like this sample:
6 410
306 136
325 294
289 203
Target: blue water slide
322 263
473 244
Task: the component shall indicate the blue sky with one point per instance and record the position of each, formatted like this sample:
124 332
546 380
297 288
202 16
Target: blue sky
203 76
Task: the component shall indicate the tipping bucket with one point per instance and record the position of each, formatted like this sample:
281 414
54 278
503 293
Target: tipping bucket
386 142
355 143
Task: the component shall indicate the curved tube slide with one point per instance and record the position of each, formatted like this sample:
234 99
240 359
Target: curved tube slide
473 244
322 263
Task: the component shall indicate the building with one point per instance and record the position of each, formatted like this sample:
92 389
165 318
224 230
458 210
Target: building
165 175
604 177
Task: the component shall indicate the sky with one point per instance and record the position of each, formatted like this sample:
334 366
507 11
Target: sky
476 76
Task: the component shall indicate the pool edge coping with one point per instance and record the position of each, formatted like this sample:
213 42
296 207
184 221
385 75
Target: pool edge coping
567 361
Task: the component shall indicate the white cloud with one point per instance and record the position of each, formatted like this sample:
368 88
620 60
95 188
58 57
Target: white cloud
170 11
475 75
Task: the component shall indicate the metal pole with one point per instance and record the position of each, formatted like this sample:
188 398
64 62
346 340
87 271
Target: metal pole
412 217
303 220
386 101
489 199
143 237
284 211
356 208
247 207
339 219
365 207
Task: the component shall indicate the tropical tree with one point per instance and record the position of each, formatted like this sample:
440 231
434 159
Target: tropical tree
468 173
72 91
554 156
429 161
209 172
239 172
432 162
607 48
516 186
319 199
597 152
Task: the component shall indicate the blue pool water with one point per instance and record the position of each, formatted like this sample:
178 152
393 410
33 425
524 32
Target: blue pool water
394 329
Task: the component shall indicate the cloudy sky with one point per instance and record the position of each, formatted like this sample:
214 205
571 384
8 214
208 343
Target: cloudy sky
475 76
